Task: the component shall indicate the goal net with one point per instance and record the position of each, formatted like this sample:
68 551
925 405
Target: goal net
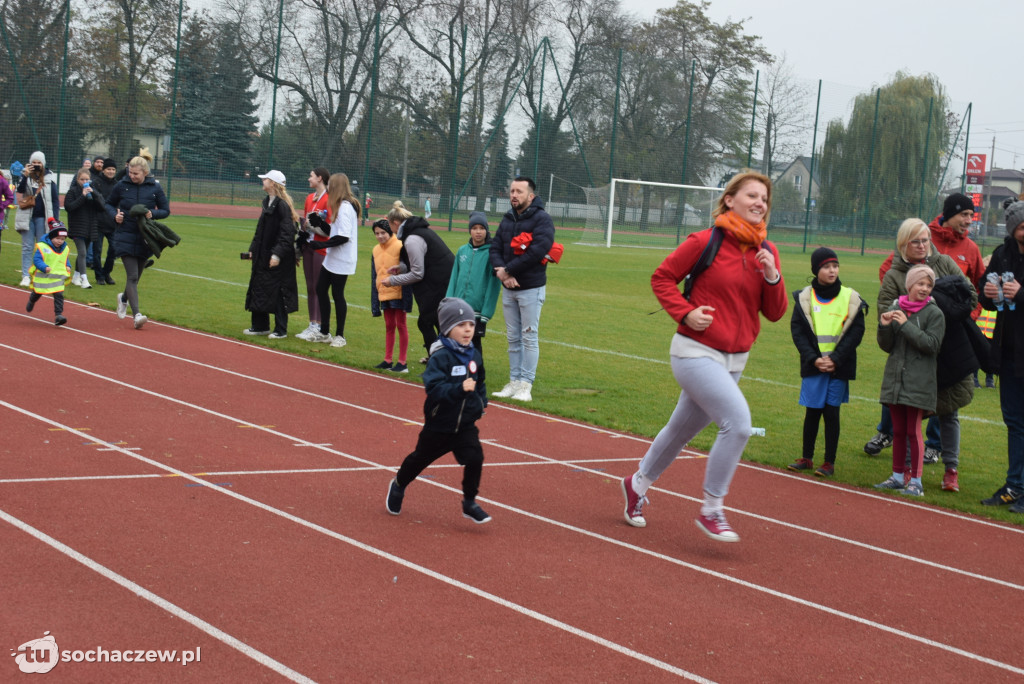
631 213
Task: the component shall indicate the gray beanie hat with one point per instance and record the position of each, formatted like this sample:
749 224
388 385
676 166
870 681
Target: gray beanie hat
453 311
1014 215
478 218
38 157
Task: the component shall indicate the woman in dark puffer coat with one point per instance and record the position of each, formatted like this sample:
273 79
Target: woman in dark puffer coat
84 204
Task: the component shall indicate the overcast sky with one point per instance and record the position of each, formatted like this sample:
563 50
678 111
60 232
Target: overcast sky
975 49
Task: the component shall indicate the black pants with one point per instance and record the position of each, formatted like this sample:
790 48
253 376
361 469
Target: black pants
427 303
335 284
464 445
58 301
811 420
261 319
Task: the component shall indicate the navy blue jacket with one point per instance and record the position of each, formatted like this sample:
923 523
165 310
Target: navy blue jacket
125 195
448 407
527 267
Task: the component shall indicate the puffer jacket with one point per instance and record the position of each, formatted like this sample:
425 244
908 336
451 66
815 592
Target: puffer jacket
526 268
83 212
128 241
448 407
957 362
913 348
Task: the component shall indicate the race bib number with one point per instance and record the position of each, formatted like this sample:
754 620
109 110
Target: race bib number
458 370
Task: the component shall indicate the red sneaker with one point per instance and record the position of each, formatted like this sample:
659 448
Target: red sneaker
716 527
826 470
950 481
634 513
801 464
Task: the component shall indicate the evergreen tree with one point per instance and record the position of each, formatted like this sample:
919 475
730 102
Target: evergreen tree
233 103
195 111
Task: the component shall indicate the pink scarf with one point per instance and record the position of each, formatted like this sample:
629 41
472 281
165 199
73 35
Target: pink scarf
911 307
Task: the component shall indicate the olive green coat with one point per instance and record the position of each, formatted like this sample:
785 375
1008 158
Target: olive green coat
954 397
913 348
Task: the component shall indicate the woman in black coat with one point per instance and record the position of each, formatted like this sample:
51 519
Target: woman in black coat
272 285
84 204
137 188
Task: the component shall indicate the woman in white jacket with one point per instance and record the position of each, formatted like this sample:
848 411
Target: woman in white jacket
340 260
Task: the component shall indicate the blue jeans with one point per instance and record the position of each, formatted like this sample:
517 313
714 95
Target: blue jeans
522 320
36 232
1011 400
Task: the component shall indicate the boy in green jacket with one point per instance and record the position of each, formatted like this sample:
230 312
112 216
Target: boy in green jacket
473 278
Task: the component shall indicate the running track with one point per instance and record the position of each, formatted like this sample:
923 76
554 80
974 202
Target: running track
167 489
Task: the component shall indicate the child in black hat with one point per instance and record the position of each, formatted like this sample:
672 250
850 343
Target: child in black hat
456 397
50 270
827 326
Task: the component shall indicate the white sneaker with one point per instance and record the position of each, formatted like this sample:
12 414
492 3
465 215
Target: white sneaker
304 335
76 278
122 306
277 336
25 282
317 336
140 320
522 393
508 390
84 282
338 341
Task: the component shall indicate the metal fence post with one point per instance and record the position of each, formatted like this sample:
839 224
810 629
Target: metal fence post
810 180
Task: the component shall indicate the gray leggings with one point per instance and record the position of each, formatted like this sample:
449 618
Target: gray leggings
80 248
710 395
133 271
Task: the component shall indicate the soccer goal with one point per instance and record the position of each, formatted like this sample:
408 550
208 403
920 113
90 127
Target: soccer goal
635 213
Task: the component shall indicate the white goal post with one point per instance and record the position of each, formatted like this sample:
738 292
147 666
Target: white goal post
646 213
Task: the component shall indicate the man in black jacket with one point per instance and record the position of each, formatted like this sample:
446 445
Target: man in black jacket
1008 350
519 257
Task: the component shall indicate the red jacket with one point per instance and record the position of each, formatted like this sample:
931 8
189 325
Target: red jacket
733 284
960 248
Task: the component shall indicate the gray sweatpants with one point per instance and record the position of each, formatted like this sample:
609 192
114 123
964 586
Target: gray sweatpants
710 395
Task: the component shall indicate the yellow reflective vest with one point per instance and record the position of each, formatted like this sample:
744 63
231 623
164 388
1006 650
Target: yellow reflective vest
827 319
48 283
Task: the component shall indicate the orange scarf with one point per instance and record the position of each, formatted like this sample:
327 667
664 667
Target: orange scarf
748 235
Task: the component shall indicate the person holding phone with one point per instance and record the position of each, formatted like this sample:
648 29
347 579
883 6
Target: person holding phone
38 202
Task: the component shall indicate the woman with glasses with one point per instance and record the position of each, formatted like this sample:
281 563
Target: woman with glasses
913 247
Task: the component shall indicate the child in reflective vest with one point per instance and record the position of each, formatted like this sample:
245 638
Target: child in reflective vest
50 270
827 326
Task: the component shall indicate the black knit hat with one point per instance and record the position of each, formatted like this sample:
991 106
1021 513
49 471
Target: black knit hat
820 257
384 225
954 204
57 229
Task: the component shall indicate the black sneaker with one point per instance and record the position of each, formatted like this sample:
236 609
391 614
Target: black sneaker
108 280
383 365
31 305
472 510
60 320
877 443
395 496
399 368
932 455
1003 496
1017 507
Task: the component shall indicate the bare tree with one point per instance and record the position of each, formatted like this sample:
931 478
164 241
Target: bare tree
782 106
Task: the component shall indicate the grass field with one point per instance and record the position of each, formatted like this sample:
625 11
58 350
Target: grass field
604 346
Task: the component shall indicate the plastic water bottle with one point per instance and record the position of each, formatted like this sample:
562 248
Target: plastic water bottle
1008 278
998 282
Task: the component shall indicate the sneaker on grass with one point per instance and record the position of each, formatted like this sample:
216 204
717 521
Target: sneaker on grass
317 336
277 336
878 442
383 365
634 512
826 470
253 331
892 483
507 391
472 510
801 464
951 480
1004 495
913 489
399 368
717 527
338 341
932 455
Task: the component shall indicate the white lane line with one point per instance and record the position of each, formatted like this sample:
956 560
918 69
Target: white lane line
380 553
172 608
296 471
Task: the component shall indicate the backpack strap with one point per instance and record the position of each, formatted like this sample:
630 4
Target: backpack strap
705 259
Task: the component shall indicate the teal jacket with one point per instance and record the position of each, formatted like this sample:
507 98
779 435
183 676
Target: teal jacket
913 348
473 280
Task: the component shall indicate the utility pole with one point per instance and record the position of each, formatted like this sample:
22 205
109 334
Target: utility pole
988 187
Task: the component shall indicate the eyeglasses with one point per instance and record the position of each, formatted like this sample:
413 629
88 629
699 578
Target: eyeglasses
921 242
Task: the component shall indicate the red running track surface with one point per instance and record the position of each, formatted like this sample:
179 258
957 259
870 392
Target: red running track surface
182 491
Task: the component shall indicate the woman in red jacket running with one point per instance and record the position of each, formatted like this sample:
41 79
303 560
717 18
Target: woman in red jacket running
717 326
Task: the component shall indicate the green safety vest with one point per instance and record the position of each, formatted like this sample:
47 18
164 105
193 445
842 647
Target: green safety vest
827 319
48 283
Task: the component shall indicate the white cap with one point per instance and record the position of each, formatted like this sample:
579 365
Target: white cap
274 175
